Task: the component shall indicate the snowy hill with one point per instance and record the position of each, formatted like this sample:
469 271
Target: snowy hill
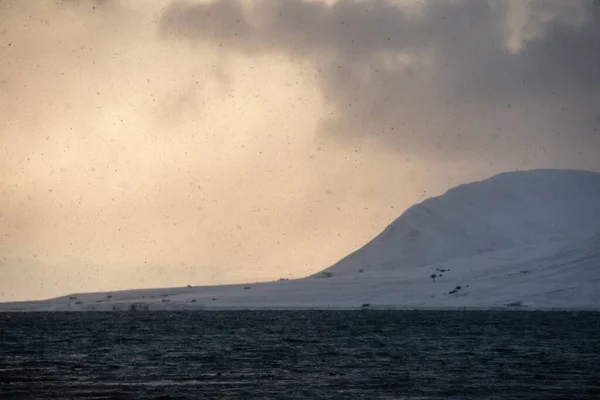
508 210
522 240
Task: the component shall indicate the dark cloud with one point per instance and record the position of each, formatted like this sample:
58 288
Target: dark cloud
439 81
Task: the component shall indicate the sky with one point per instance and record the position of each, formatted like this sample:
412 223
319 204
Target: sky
166 143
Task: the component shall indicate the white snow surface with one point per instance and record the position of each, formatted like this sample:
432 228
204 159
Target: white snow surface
519 240
506 211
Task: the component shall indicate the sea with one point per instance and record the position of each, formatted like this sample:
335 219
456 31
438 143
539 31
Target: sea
361 354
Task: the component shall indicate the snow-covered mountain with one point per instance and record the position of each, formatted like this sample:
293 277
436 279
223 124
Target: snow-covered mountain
519 240
508 210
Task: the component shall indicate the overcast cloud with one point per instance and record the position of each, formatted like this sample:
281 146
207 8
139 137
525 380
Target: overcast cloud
449 79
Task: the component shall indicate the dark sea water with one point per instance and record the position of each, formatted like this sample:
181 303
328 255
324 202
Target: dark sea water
300 355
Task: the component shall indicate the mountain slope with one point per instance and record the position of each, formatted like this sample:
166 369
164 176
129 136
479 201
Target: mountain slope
508 210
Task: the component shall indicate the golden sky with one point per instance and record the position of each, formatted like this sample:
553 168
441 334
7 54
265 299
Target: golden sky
159 143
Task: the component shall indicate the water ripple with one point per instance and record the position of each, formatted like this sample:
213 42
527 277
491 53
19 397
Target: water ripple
300 355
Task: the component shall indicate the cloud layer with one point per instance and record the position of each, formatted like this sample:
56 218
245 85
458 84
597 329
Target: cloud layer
450 79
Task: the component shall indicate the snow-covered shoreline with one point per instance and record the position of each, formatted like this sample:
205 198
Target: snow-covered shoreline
307 308
517 241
